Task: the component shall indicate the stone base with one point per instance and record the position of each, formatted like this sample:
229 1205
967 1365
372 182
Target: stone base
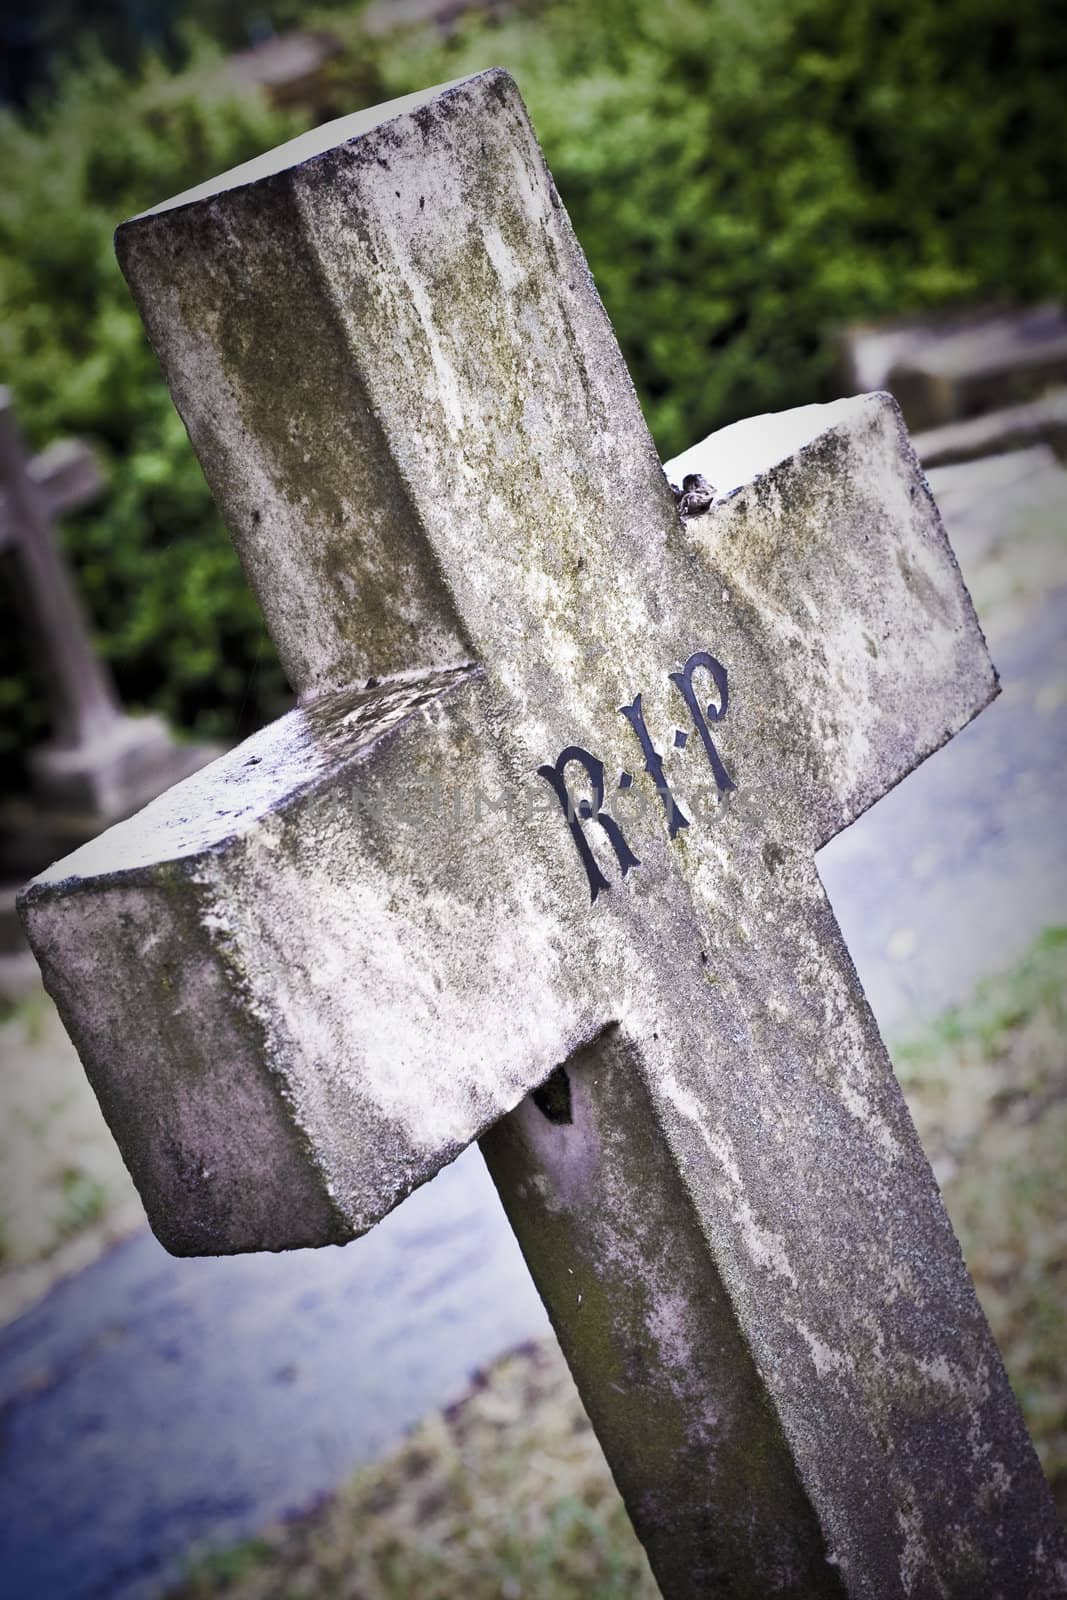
79 792
117 772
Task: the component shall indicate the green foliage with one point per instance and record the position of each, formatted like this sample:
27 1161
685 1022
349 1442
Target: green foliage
744 176
154 565
999 1008
84 1200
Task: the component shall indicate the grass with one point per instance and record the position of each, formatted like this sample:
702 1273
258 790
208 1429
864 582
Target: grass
507 1493
504 1497
64 1191
988 1090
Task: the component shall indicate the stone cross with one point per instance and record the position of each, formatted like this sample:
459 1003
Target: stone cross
100 762
32 493
310 975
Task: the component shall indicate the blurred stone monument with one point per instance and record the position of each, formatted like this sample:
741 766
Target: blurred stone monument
291 69
100 764
970 384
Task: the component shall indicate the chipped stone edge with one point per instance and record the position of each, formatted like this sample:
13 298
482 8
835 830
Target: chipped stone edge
38 892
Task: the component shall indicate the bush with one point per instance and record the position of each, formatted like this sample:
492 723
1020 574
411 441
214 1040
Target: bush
743 174
154 564
746 174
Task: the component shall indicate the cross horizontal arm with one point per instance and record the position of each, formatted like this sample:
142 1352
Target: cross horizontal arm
297 990
67 473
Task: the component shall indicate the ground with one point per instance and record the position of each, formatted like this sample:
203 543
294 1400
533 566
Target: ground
507 1492
506 1496
64 1192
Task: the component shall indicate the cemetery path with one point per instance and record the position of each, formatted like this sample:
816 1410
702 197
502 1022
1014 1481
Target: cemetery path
954 872
151 1403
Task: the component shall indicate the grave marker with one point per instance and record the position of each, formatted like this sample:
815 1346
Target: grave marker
82 698
949 367
100 764
300 988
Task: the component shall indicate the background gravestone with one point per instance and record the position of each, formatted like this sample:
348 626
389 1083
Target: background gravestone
100 764
949 368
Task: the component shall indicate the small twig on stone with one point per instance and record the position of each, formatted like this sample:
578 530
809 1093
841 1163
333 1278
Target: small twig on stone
694 497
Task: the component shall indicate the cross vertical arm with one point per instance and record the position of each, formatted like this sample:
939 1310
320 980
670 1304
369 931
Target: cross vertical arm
396 370
736 1227
645 1321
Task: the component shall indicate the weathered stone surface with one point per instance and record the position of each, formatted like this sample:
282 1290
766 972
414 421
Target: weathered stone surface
402 386
645 1320
334 995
